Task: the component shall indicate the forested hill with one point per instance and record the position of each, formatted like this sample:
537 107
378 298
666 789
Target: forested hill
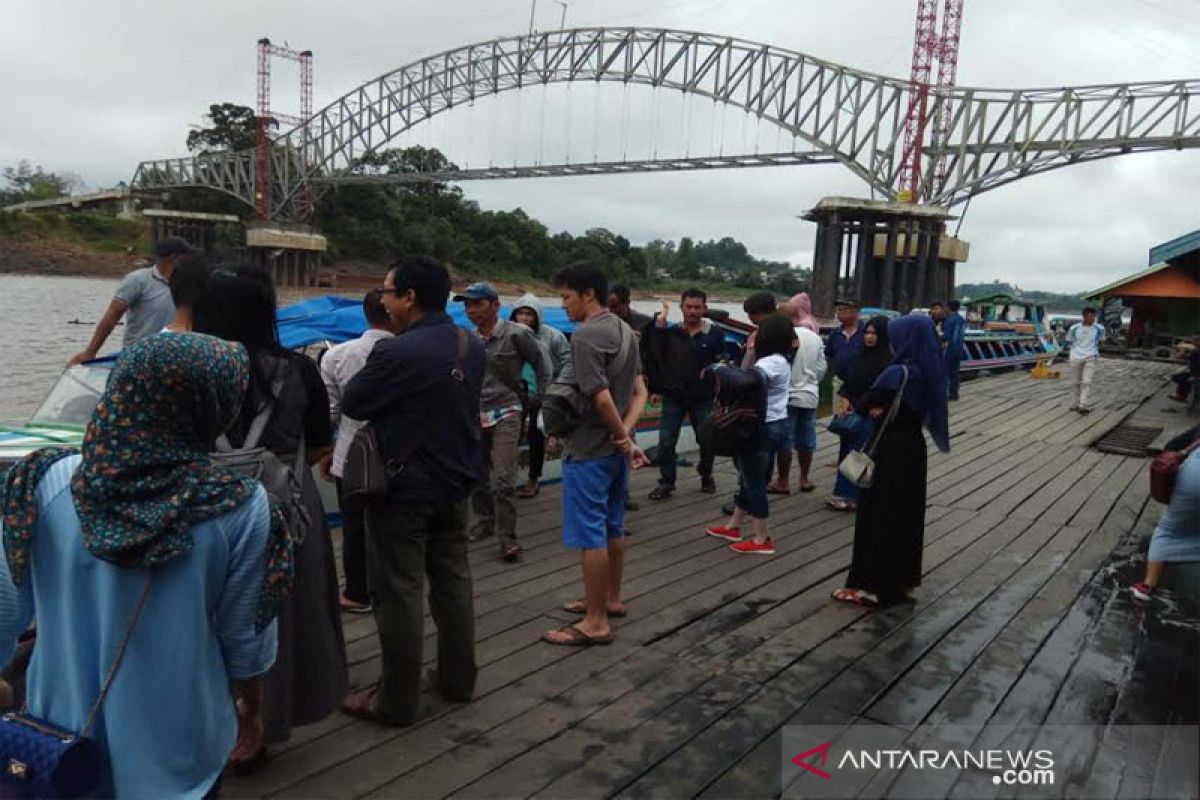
1052 300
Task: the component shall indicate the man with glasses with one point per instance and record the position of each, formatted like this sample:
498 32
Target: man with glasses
410 387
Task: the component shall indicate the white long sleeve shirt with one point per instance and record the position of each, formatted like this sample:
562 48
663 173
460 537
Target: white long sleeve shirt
808 368
338 366
1085 340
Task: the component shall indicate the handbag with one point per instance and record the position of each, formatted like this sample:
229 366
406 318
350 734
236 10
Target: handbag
368 471
1164 470
564 405
846 424
563 408
858 466
41 759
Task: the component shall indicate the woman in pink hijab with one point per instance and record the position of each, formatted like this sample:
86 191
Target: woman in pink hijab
803 317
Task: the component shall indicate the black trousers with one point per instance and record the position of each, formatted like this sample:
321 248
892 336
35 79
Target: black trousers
537 444
354 551
408 543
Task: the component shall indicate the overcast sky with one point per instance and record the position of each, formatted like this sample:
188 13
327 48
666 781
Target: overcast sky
95 86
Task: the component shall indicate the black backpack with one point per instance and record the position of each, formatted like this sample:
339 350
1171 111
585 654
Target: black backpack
738 413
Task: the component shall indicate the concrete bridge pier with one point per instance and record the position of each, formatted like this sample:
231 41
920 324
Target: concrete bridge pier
882 254
291 253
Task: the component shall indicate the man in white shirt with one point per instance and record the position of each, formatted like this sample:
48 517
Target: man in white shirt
1084 339
339 365
808 368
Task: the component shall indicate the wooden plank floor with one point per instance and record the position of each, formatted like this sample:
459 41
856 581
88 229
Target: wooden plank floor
1018 617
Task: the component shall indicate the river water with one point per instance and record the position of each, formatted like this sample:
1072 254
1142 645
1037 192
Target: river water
46 320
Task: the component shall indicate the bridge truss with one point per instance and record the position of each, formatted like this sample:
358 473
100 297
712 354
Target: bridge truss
990 137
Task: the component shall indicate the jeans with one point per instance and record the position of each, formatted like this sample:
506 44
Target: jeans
354 549
952 365
843 488
1081 377
409 542
753 468
492 499
673 412
802 429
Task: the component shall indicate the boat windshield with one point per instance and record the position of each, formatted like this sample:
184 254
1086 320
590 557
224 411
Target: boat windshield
73 399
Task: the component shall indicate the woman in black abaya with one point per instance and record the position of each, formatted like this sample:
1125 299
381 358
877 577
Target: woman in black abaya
889 531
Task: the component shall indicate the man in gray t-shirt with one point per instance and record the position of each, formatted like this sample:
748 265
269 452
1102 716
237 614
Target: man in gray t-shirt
599 453
143 298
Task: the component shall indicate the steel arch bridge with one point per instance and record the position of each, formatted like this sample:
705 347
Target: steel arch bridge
843 115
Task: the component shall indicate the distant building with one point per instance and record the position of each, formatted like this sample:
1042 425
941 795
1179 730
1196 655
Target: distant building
1165 297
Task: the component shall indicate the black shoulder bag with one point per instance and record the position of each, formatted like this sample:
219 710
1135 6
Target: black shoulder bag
367 471
43 760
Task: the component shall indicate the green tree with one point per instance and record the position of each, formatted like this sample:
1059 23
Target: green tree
230 127
27 181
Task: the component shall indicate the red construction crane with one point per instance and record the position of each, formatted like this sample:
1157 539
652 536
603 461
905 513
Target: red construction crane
952 14
928 46
267 118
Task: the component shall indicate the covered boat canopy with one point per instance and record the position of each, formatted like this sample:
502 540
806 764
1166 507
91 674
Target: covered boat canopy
339 319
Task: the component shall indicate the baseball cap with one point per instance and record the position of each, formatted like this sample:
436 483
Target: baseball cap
477 291
846 301
174 246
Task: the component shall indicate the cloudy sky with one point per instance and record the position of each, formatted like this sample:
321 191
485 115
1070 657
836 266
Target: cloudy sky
95 86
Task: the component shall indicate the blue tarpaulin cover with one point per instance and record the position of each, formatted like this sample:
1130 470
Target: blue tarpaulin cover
340 319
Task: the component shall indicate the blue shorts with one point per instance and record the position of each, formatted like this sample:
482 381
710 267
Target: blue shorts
802 426
593 501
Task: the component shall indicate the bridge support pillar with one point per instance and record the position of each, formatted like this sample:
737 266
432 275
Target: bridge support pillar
881 254
292 254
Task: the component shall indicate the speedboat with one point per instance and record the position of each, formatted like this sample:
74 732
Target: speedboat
63 416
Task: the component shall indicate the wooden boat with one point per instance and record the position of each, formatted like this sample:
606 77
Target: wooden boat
1005 332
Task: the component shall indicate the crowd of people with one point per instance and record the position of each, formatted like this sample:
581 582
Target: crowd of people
235 613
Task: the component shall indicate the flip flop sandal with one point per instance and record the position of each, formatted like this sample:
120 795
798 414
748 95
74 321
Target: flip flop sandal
839 505
775 490
364 704
855 597
580 607
251 765
527 492
576 638
812 487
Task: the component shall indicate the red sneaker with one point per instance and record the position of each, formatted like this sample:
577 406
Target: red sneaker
722 532
767 548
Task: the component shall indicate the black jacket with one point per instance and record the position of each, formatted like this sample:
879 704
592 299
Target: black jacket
673 360
401 391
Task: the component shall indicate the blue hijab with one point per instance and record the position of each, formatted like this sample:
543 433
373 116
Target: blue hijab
915 345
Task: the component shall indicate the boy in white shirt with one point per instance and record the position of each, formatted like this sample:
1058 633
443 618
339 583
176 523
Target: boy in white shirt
808 368
1084 339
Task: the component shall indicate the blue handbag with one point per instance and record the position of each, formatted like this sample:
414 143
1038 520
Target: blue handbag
847 425
40 759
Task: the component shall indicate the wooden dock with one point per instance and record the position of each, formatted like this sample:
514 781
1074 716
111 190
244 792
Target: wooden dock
1019 617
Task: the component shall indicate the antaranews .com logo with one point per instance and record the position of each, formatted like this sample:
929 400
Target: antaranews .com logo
984 761
1009 767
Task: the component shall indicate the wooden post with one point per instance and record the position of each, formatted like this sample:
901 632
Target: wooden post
887 294
866 246
825 271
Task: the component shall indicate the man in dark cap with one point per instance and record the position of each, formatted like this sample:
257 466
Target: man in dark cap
143 298
845 344
509 347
